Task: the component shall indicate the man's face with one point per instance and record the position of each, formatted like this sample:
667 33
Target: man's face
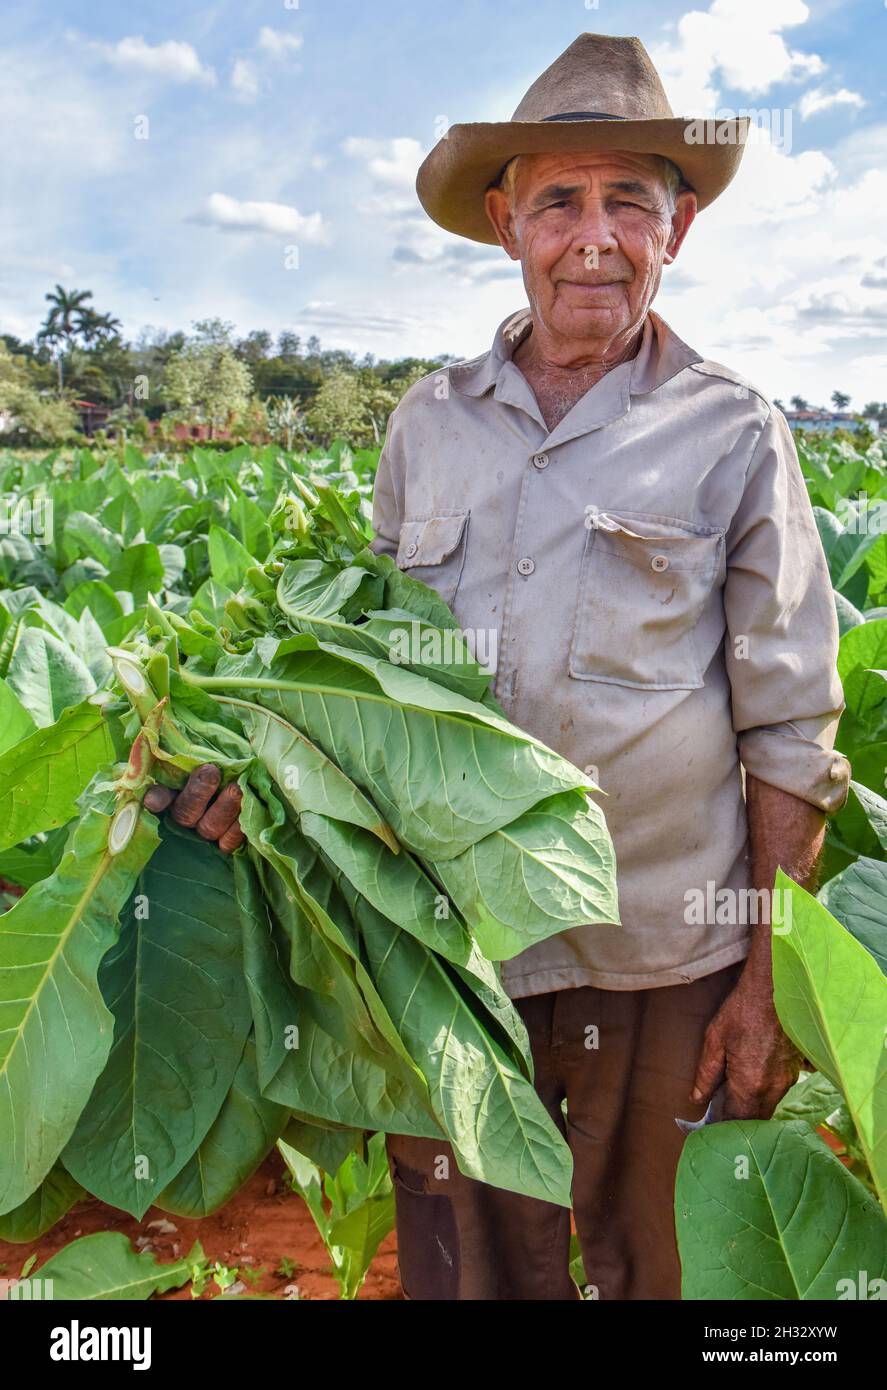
592 232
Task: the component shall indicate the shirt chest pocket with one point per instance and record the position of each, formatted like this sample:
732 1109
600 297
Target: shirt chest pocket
643 586
432 549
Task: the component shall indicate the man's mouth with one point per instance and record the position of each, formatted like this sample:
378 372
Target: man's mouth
592 284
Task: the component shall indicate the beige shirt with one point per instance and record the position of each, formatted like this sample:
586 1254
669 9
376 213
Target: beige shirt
653 580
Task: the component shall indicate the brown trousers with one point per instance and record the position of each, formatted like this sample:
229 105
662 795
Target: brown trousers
461 1239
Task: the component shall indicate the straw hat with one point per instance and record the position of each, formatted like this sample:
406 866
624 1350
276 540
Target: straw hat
602 93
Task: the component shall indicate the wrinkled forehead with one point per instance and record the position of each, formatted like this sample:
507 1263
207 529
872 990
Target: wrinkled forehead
571 166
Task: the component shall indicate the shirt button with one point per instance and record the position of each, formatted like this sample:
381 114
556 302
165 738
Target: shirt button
411 549
659 563
836 771
526 565
541 460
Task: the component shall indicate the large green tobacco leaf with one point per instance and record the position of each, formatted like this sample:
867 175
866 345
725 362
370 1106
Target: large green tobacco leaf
550 869
228 559
311 1056
305 776
309 590
497 1124
57 1193
858 898
175 987
55 1030
863 648
15 722
275 1005
104 1267
400 890
47 676
396 885
443 770
99 598
324 957
812 1098
84 535
323 600
324 1078
139 571
763 1210
244 1131
858 829
406 593
42 776
831 998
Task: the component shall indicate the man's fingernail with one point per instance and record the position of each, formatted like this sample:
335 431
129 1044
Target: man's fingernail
697 1094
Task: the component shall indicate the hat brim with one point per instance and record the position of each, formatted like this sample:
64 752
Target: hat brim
454 177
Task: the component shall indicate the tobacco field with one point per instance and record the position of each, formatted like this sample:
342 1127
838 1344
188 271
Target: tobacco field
170 1015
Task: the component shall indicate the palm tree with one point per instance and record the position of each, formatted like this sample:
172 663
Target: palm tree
798 403
95 327
66 319
840 400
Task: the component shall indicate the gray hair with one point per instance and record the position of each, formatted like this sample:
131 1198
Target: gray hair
671 177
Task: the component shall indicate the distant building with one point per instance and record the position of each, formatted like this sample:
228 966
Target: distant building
92 416
827 421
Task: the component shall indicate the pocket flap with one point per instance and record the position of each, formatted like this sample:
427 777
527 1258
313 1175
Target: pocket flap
430 540
657 542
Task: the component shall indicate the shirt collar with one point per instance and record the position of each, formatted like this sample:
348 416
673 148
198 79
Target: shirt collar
661 356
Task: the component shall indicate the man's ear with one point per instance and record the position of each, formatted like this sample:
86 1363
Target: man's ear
498 206
682 219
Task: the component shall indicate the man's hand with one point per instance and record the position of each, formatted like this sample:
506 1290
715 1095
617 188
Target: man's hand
195 807
745 1045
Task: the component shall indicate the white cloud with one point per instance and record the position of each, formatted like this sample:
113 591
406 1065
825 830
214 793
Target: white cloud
786 265
414 241
818 99
171 59
275 219
737 43
273 42
326 313
393 163
245 80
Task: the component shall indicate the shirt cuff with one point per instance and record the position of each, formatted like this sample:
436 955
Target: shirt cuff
798 765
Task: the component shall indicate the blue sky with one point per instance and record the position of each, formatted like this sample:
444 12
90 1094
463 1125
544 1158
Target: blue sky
272 124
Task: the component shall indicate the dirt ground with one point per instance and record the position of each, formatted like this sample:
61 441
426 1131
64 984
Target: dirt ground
263 1225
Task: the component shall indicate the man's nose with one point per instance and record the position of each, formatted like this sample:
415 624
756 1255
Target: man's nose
595 228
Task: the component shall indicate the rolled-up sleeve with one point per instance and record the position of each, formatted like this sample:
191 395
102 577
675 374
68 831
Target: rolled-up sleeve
782 631
388 496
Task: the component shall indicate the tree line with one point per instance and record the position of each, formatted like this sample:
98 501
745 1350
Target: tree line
285 388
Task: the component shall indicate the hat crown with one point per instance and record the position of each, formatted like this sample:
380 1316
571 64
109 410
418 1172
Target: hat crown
599 74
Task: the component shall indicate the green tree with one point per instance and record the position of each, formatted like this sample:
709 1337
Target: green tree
798 403
255 348
207 380
339 409
27 414
840 400
289 346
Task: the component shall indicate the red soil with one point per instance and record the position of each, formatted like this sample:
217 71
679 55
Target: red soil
263 1224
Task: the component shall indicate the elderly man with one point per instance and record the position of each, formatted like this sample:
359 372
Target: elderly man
630 521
